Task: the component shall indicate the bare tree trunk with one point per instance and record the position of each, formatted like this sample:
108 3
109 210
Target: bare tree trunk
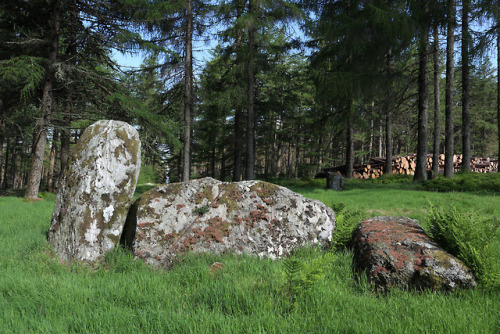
465 87
450 77
188 93
238 129
14 172
437 111
380 148
5 183
297 154
423 105
251 82
388 120
42 124
388 143
66 132
372 131
349 158
52 160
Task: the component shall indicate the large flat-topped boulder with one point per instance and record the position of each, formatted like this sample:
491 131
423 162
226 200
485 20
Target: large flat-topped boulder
395 251
95 191
207 215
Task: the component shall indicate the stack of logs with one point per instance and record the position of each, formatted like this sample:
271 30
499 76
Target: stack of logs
406 165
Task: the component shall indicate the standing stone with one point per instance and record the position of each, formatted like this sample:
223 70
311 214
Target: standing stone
335 181
95 191
209 216
396 252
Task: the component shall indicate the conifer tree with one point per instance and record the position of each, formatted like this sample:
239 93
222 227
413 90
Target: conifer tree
449 104
466 156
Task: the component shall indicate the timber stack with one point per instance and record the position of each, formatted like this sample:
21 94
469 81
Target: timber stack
405 165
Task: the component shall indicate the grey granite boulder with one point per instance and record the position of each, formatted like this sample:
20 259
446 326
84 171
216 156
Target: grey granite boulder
395 251
95 191
207 215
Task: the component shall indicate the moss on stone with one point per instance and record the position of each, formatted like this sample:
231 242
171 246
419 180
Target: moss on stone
206 193
132 144
230 195
169 189
264 189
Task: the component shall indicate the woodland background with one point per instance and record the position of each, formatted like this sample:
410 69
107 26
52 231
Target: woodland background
290 87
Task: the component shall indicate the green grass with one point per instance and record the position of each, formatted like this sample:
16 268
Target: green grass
120 295
396 199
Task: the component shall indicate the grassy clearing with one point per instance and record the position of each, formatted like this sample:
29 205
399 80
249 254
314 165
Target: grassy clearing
39 294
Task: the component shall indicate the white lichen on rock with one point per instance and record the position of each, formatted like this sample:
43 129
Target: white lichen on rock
207 215
95 191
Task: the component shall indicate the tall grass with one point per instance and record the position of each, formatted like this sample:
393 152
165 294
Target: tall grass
38 293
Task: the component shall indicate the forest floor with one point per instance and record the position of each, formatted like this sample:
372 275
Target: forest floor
248 295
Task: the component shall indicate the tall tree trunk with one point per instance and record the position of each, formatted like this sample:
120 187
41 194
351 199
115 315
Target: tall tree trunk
14 178
188 93
52 160
349 155
297 153
388 143
423 105
66 131
450 78
437 109
372 131
465 87
238 128
5 183
388 119
251 82
238 145
42 124
380 147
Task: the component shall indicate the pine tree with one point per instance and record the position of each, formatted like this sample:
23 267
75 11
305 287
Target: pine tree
449 104
466 156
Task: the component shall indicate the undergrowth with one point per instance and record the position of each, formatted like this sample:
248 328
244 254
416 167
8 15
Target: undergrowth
346 222
471 238
470 182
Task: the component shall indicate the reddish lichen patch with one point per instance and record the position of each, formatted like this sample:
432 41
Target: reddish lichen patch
179 207
379 269
188 241
268 201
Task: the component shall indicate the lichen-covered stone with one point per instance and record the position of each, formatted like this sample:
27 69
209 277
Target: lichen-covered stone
395 251
207 215
95 191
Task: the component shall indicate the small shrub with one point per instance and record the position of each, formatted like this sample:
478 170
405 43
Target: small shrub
201 210
346 222
471 238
